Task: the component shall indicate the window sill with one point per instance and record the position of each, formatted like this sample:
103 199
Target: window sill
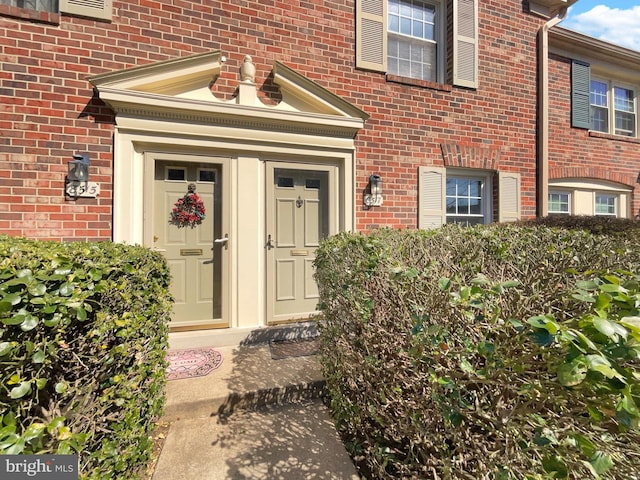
419 83
610 136
28 14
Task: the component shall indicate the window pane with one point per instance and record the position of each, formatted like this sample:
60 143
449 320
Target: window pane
623 99
605 204
207 176
405 26
464 200
598 93
600 119
394 23
176 174
38 5
412 31
624 106
559 203
625 124
417 28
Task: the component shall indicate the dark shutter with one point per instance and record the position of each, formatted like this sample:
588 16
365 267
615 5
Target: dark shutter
580 94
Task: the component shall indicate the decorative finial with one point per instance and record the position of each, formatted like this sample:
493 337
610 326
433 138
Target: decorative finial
247 70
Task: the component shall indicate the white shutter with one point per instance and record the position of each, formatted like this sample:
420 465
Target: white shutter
465 43
431 197
371 35
101 9
509 196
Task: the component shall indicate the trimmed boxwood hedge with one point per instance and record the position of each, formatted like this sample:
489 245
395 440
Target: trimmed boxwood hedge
499 352
83 337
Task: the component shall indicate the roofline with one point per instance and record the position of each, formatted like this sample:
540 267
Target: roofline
563 39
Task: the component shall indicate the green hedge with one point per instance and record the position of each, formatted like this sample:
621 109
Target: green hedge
502 352
83 337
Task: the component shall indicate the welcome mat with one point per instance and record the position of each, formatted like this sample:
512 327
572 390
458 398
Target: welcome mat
294 348
192 362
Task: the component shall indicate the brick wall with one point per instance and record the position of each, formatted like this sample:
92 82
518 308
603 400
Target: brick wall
47 109
575 152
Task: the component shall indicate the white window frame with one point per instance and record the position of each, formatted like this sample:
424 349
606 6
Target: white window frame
569 203
486 194
584 192
611 107
616 202
439 40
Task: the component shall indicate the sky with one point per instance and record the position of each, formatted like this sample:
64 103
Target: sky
616 21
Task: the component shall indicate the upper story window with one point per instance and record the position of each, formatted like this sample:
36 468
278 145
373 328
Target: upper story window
621 113
409 39
601 104
413 43
38 5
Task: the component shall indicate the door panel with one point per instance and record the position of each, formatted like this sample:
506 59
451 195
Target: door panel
298 217
195 261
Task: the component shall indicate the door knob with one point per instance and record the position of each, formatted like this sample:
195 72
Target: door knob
269 245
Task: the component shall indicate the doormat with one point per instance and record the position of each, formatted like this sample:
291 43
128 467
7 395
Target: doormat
192 362
294 348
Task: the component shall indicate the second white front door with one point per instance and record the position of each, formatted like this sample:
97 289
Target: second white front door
300 213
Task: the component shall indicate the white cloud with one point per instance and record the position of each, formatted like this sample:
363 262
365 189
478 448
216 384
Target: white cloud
615 25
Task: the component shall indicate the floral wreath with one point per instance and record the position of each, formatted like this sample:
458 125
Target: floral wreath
189 210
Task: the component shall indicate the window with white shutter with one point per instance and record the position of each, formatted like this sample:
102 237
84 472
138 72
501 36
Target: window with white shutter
101 9
407 38
465 39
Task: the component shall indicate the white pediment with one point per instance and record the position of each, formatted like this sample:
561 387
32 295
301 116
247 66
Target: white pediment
181 88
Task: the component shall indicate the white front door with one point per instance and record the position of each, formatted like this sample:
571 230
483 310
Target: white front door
188 227
300 212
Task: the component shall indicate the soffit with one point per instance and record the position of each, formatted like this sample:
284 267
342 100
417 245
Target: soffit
602 55
180 91
549 8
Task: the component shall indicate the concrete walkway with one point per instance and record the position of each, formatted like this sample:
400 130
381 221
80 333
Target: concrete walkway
253 418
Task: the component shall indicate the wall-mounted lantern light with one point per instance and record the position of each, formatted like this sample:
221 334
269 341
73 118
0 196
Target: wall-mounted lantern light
77 181
373 192
78 168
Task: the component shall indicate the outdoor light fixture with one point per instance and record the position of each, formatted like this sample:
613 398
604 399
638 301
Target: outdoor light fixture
77 182
373 192
78 168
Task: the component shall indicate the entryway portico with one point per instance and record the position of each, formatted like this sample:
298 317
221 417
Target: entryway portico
271 179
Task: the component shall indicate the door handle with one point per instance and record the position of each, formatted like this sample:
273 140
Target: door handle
269 245
223 240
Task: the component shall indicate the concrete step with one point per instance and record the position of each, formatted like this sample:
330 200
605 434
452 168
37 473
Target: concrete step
248 378
288 442
253 418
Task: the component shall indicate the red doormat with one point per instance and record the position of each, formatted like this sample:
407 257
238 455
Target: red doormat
192 362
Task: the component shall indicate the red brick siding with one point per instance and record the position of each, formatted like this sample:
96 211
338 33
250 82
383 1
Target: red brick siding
47 109
578 153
